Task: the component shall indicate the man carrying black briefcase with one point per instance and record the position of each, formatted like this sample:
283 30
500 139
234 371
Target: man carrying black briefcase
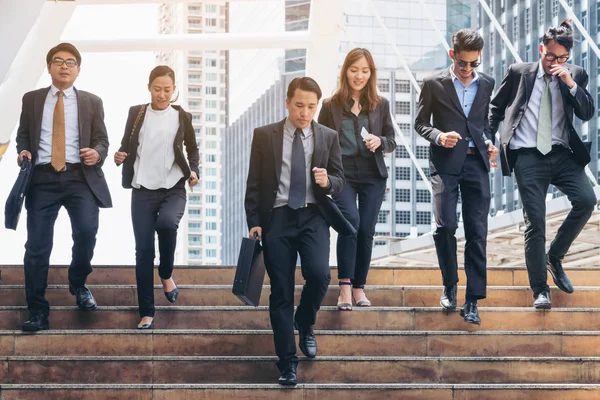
294 165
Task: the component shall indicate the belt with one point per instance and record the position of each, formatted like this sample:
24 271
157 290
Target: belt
67 167
471 150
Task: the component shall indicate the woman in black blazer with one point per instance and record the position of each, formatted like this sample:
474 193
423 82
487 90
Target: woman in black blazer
364 124
156 168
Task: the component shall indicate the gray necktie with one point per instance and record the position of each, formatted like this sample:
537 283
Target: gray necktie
297 196
544 133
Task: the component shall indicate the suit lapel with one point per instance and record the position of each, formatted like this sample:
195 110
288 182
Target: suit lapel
451 90
530 80
336 112
277 144
81 110
318 147
482 90
373 120
38 113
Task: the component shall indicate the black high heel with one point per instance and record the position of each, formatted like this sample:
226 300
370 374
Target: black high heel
146 326
172 295
344 306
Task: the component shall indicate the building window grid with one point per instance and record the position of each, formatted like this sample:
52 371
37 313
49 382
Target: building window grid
402 217
403 195
527 21
422 152
403 173
403 107
403 86
383 85
423 217
418 176
401 152
555 6
423 196
382 217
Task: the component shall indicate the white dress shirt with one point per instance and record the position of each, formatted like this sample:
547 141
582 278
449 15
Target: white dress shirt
71 127
154 166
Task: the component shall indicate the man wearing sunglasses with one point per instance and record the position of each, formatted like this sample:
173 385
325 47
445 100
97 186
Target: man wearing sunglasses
452 115
536 101
62 132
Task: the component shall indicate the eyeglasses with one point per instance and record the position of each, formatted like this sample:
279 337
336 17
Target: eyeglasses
552 57
59 62
462 64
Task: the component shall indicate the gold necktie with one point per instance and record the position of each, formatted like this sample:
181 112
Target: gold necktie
59 157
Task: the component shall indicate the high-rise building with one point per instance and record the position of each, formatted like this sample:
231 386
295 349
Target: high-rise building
202 81
407 205
524 22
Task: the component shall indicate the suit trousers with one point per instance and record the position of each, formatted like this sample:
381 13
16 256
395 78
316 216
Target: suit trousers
155 211
49 191
365 184
535 173
288 233
473 182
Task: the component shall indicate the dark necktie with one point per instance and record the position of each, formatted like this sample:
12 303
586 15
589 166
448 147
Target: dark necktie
297 196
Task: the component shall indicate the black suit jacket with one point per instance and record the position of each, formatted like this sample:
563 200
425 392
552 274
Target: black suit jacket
92 134
438 98
380 124
185 135
510 102
265 170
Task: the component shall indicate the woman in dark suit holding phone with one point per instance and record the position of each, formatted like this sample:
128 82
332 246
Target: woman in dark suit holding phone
364 124
155 167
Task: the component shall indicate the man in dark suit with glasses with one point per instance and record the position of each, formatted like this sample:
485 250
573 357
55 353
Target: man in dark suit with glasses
536 101
452 116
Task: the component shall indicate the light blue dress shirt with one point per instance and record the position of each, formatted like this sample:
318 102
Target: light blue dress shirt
71 127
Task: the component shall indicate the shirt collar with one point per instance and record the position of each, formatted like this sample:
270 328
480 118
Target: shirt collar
541 72
67 92
292 129
454 77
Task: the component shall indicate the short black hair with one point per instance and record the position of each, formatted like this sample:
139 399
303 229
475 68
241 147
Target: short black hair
68 47
562 34
307 84
467 40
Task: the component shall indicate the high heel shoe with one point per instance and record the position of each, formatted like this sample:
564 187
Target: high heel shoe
344 306
146 326
172 295
362 303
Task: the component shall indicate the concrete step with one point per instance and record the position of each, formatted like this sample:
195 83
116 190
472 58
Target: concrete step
169 342
255 369
342 391
224 275
381 295
375 318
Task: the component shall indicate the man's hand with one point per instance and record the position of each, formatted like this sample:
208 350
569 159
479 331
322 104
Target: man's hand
492 152
257 230
563 73
449 139
120 157
372 142
89 156
193 180
321 177
22 154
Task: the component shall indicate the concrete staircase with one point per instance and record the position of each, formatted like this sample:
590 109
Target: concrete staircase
207 346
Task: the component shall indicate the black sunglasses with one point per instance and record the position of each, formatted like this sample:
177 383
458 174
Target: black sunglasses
462 64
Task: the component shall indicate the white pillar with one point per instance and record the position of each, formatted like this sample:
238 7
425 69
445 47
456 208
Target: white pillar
29 63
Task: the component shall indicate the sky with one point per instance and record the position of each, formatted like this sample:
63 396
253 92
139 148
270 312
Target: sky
120 79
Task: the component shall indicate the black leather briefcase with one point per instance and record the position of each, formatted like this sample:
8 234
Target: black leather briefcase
250 272
14 203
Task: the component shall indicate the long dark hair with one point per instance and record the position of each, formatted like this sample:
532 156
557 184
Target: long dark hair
369 93
163 70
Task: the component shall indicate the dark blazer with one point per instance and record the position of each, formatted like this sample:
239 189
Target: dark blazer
380 124
265 171
510 102
185 135
438 98
92 134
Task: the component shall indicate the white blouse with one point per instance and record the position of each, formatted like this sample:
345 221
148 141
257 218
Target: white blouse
155 166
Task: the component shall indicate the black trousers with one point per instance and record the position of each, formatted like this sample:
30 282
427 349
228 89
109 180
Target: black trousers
365 184
534 173
155 211
48 192
473 182
289 233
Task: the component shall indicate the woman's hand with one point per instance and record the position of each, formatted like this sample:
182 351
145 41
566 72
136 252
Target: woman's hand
372 142
193 181
120 156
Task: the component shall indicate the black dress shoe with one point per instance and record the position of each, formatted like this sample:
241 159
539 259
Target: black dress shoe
36 322
146 326
85 300
542 301
470 313
558 274
288 375
308 342
448 299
